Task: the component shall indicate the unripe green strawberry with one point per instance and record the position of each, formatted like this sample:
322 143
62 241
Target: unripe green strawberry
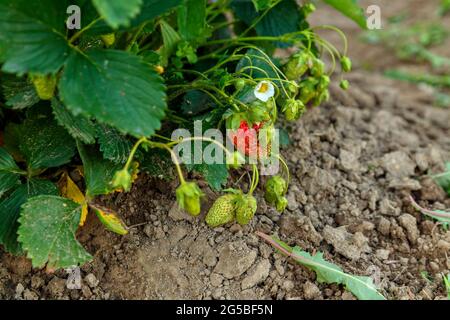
108 39
281 204
122 180
297 65
308 89
344 84
44 85
318 68
308 8
293 87
245 209
322 97
346 64
276 187
222 211
324 82
293 109
188 197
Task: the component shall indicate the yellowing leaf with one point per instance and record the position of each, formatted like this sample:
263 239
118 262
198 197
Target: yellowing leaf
70 190
110 219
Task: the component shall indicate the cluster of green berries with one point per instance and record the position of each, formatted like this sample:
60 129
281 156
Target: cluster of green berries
232 206
308 82
276 189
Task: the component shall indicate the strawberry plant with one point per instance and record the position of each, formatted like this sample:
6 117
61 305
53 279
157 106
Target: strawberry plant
84 110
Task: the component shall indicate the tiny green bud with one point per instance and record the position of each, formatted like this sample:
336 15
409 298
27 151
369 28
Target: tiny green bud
322 97
344 84
122 179
44 85
188 197
292 87
297 65
239 84
293 109
308 89
308 8
108 39
276 187
346 64
318 68
324 82
281 204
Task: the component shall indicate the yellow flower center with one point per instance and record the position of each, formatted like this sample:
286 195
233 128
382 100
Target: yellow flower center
263 88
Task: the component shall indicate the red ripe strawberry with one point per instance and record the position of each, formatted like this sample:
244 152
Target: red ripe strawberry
246 139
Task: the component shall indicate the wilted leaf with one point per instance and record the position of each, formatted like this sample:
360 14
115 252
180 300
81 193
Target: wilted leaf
110 219
71 191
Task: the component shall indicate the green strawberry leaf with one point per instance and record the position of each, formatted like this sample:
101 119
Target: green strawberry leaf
47 232
115 87
195 102
115 147
33 36
149 10
157 163
10 209
170 40
7 162
98 171
8 181
117 13
351 9
255 64
216 174
192 19
283 18
79 127
19 92
153 8
43 142
9 176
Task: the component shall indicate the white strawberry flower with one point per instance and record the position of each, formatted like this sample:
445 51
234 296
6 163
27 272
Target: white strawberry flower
264 91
